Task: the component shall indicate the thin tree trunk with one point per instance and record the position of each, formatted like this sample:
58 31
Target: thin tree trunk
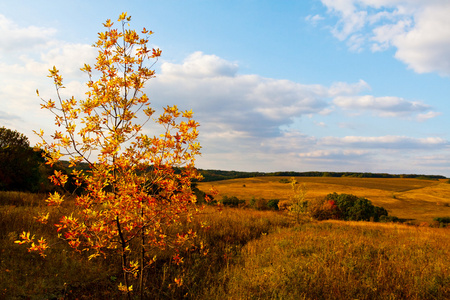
141 265
124 258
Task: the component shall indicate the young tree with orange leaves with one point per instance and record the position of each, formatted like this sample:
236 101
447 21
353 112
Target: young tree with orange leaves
137 186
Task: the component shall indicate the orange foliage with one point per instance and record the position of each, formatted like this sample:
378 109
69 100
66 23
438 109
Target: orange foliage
137 185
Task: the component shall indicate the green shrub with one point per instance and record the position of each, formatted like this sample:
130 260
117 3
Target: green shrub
353 208
263 204
201 195
441 222
323 209
260 204
272 204
231 201
387 219
284 180
445 220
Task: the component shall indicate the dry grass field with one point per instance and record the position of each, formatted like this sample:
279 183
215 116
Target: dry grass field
250 254
413 199
341 260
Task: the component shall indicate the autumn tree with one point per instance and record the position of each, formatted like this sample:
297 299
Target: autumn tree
138 186
19 163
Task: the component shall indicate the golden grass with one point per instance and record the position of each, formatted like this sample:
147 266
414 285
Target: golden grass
65 274
26 275
247 254
342 260
406 198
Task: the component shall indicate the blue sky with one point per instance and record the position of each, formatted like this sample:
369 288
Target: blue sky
306 85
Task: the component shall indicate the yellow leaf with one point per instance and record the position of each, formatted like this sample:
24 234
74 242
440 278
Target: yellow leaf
122 16
179 281
93 256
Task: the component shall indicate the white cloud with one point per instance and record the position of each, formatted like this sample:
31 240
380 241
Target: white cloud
333 155
390 142
382 106
385 35
26 55
320 124
344 88
14 38
427 115
351 20
418 29
245 103
426 47
314 19
252 122
200 65
68 58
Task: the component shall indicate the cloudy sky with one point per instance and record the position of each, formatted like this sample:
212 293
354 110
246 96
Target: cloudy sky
298 85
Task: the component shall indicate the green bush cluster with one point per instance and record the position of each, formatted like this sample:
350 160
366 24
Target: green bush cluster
232 201
201 195
442 221
346 207
21 167
264 204
445 220
272 204
322 209
388 219
284 180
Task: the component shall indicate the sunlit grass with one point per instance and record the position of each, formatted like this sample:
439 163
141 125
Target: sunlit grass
28 275
341 260
240 254
65 273
412 199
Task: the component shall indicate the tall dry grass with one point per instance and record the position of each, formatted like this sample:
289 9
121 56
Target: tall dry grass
342 260
26 275
241 254
228 230
65 274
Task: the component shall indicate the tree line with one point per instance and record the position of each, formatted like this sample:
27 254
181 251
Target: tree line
23 168
215 175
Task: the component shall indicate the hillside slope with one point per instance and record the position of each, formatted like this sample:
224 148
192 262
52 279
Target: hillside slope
406 198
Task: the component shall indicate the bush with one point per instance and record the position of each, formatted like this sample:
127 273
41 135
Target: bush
231 201
387 219
272 204
202 196
353 208
445 220
323 209
21 167
346 207
263 204
259 204
441 222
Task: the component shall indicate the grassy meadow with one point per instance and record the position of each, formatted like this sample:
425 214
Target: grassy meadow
336 260
251 254
411 199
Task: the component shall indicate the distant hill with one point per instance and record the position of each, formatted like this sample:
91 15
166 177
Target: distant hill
215 175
